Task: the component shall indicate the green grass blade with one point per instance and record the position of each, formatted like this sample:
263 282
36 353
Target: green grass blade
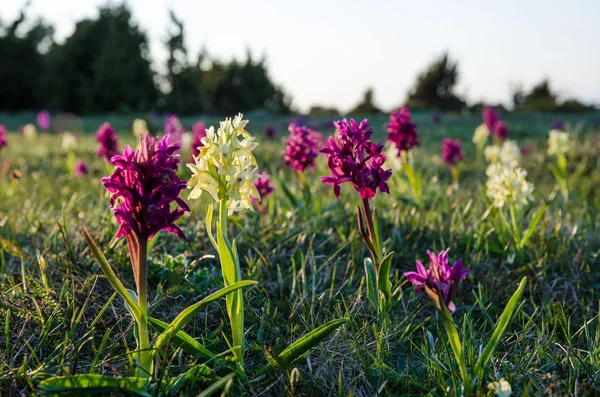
186 315
533 225
500 328
224 382
182 340
90 383
304 344
110 274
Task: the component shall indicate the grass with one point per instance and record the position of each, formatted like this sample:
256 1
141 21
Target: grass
60 316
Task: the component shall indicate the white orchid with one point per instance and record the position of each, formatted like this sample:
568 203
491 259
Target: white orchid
225 167
506 185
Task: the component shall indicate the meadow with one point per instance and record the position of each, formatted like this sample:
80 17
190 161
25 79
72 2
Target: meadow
60 315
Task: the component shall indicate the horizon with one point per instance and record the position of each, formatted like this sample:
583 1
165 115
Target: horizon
315 67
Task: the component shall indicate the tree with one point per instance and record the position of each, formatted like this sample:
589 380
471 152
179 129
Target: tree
103 66
247 86
184 79
540 98
22 64
211 86
434 88
366 105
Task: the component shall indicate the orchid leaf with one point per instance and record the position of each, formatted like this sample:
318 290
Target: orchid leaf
182 340
500 328
186 315
110 274
91 383
371 278
304 344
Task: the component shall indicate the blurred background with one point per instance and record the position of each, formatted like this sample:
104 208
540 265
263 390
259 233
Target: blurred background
317 58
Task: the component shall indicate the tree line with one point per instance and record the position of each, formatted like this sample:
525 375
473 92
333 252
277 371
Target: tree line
105 66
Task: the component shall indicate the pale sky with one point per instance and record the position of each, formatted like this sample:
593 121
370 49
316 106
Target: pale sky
328 52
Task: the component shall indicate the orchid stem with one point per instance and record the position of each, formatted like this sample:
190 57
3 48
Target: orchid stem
145 354
371 227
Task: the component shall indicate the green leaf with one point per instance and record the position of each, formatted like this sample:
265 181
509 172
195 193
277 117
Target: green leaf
182 340
384 283
499 330
90 383
454 340
186 315
371 278
209 215
110 274
304 344
226 256
235 303
533 225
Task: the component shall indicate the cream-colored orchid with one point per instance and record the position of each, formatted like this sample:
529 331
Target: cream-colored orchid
559 143
69 141
481 136
508 154
506 185
29 131
225 167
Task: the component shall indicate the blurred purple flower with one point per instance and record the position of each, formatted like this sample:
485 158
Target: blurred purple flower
43 120
401 131
501 130
301 148
558 125
144 185
173 129
3 141
263 185
437 118
490 118
81 169
109 144
451 151
198 132
352 157
270 132
439 278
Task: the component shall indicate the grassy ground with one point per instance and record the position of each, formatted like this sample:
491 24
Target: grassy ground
60 315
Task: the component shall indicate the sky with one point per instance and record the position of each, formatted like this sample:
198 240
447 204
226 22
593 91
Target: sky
328 52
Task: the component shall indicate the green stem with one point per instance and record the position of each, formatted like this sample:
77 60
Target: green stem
145 354
235 303
371 227
454 340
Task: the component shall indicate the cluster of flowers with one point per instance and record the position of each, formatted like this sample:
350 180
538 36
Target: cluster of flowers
352 157
143 186
559 142
225 167
301 147
109 143
507 183
402 132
